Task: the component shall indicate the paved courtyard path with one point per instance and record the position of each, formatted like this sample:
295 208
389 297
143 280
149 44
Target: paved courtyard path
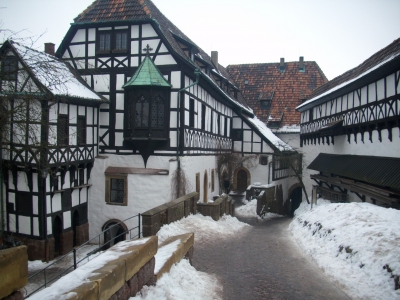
263 262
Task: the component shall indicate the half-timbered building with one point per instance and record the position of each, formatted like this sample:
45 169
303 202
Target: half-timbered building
172 108
273 91
49 142
350 132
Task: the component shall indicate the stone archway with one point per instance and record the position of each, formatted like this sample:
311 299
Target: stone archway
116 232
241 179
295 197
57 232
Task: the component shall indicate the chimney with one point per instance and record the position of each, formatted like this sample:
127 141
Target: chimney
214 58
282 64
301 64
49 48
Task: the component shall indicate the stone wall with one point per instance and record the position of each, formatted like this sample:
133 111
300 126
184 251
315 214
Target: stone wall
127 269
222 205
153 219
14 272
39 249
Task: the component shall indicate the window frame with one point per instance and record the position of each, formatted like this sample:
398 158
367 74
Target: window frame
108 190
81 137
158 103
263 160
191 112
63 137
113 34
237 135
265 104
9 68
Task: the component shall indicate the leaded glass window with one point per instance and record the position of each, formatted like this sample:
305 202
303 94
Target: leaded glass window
121 41
117 190
157 112
105 42
142 112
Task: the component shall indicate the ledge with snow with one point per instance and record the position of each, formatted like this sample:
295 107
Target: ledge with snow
121 271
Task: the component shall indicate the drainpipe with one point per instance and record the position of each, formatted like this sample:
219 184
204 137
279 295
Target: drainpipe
197 73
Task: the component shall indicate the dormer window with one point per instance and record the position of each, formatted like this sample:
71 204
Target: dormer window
265 104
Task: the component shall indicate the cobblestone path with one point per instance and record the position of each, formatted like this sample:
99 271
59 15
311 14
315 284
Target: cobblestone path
263 262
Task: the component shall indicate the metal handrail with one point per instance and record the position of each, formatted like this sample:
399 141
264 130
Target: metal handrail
74 251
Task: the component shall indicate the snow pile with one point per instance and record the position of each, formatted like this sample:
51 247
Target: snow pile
356 243
205 228
250 210
183 282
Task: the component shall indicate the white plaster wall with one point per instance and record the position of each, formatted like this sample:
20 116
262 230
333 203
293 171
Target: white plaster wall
144 191
199 164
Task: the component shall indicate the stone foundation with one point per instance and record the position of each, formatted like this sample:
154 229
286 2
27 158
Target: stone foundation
66 242
82 234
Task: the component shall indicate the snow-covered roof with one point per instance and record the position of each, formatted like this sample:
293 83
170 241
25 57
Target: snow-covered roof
376 61
54 75
269 135
288 129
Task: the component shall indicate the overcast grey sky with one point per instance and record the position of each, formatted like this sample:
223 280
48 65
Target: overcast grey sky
337 34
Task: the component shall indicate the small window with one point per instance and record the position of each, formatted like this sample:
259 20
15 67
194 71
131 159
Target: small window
274 124
116 190
263 160
265 104
237 134
311 115
81 176
104 42
63 130
56 182
81 131
10 68
198 183
121 41
203 117
226 126
191 112
218 124
212 180
112 42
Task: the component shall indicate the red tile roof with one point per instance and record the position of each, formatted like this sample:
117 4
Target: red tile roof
143 10
288 88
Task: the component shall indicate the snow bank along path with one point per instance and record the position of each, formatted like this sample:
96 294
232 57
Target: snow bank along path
204 228
356 243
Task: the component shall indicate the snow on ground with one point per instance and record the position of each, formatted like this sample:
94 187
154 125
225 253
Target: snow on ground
205 228
358 244
183 282
250 210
